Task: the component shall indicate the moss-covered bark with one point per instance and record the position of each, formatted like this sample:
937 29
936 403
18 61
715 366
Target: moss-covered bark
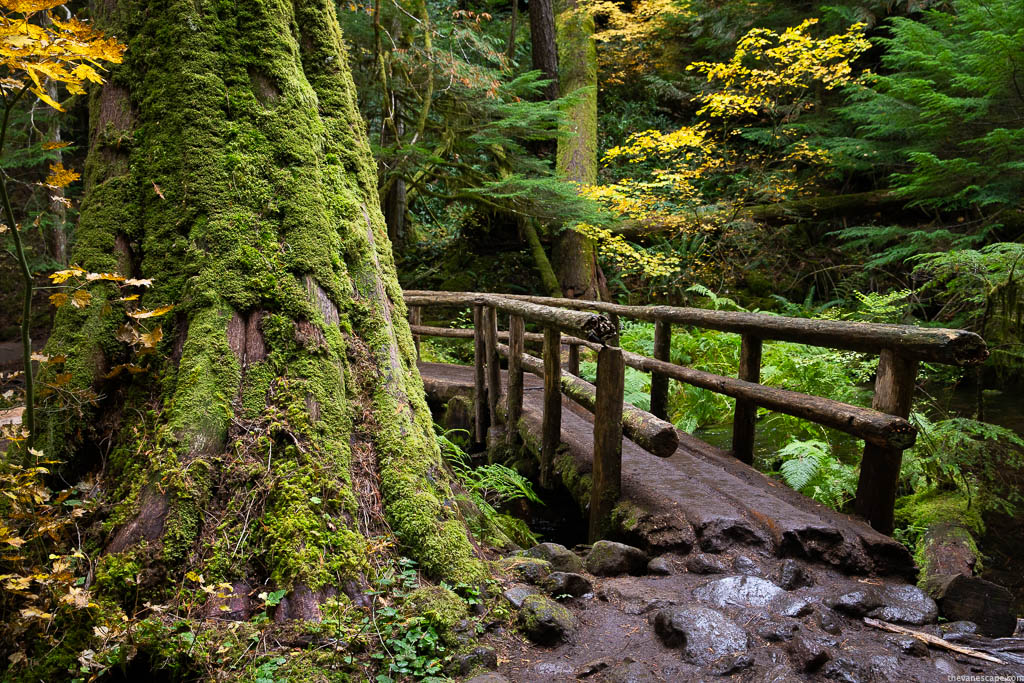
575 256
283 421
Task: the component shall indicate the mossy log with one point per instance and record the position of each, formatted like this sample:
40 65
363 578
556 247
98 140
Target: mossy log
282 421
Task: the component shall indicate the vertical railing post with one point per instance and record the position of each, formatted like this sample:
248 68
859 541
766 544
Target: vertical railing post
416 318
573 364
479 387
606 476
745 417
514 397
551 430
659 383
493 362
880 466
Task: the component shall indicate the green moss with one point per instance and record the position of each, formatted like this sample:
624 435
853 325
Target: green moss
917 513
440 606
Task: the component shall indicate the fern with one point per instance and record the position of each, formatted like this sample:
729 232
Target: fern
802 462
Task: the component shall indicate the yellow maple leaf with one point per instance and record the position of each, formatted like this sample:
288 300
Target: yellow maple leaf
60 176
141 315
58 299
81 298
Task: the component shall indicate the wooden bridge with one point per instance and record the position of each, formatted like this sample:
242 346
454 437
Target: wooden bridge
639 474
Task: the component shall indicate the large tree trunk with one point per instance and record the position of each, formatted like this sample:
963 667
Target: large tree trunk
575 256
543 50
283 420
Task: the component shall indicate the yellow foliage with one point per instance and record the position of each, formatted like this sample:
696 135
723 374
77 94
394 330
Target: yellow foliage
628 258
771 72
37 45
60 176
632 42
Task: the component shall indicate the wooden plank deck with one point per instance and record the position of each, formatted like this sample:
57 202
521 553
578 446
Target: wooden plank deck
700 497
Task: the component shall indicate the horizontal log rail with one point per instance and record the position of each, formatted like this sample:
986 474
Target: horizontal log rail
884 427
952 347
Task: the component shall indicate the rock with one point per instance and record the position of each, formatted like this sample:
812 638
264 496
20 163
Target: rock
704 634
705 564
845 670
630 672
594 667
884 668
554 671
776 630
945 666
608 558
728 665
792 576
738 591
480 657
544 621
489 677
808 653
1019 631
659 565
789 605
856 603
958 628
561 558
829 621
526 569
905 604
517 594
745 565
565 583
908 645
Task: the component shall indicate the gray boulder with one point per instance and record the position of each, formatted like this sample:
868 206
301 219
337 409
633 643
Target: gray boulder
561 558
544 621
608 558
703 634
738 591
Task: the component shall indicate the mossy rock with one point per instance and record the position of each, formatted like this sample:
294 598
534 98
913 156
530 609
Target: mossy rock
528 569
544 621
440 606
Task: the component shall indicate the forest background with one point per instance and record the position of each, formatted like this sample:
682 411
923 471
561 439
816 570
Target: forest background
855 160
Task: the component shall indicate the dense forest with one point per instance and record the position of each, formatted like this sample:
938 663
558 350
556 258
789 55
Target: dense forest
218 460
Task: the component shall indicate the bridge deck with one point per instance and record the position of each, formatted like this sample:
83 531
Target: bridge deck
700 496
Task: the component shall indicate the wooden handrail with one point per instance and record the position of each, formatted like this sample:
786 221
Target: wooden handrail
883 427
952 347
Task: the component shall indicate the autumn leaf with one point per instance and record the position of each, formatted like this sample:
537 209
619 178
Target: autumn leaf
156 312
41 357
60 176
64 275
112 277
81 298
132 282
130 297
55 145
151 339
159 193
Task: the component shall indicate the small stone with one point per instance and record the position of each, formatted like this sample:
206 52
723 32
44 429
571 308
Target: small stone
829 621
517 594
480 657
526 569
594 667
959 628
808 653
789 605
560 584
945 666
857 603
705 564
489 677
544 621
704 634
845 670
561 558
905 604
776 630
792 576
745 565
909 646
883 668
659 565
726 666
630 672
608 558
738 591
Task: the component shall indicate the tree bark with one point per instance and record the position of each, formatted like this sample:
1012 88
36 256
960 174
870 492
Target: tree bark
282 421
575 256
542 37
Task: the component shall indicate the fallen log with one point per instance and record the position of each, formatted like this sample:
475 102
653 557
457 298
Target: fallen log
929 639
655 435
971 598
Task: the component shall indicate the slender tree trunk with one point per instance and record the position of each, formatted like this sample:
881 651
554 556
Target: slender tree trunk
575 256
542 37
282 421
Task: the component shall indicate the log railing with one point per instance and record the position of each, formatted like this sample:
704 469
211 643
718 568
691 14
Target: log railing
883 427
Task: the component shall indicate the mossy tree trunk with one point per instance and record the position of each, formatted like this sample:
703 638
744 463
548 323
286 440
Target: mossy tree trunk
283 421
574 256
